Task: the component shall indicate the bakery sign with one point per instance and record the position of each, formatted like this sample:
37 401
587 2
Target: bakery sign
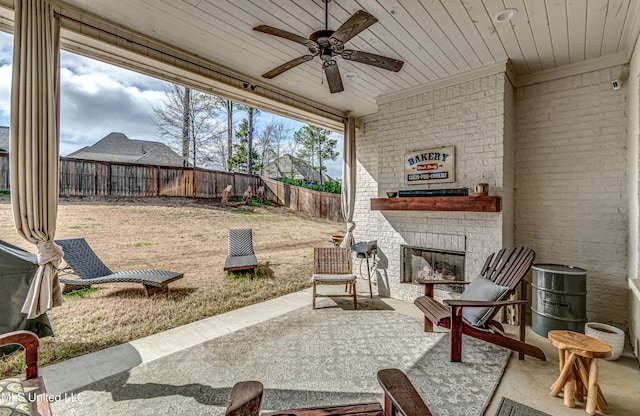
430 166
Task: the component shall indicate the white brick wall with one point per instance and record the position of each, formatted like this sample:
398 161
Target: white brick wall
633 150
571 187
469 116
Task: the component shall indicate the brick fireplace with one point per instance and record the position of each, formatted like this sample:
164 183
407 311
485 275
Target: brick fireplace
477 118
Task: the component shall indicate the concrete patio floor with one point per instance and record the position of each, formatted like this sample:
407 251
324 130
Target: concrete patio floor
524 381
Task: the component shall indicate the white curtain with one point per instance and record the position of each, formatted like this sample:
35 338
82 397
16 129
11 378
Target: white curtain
33 149
349 179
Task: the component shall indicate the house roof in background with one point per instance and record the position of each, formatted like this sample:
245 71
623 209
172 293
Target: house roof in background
4 139
117 147
286 166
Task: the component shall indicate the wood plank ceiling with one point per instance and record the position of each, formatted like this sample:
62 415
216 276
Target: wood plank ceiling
435 38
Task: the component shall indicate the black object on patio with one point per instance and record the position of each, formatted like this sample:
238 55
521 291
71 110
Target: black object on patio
17 269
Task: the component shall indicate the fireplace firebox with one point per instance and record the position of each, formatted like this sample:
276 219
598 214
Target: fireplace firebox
428 263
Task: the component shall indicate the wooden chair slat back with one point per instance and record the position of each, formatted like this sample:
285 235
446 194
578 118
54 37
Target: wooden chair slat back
487 264
332 260
493 262
508 267
521 267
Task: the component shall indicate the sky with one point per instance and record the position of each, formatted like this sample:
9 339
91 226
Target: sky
97 99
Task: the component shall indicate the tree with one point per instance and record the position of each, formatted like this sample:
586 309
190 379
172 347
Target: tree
239 162
315 145
186 120
271 140
227 107
186 116
252 113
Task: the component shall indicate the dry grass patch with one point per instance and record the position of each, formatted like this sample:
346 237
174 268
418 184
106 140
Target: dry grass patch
178 234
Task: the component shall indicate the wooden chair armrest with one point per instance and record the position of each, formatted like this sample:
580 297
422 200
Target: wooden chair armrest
463 303
29 341
441 282
400 395
245 399
25 338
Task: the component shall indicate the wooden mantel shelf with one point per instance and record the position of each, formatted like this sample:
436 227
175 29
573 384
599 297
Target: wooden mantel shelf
438 203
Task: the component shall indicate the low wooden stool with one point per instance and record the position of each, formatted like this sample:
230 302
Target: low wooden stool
579 355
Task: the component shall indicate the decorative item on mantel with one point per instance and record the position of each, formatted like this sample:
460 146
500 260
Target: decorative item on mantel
392 194
481 189
434 192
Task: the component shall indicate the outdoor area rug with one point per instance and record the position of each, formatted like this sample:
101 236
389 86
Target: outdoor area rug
304 358
510 408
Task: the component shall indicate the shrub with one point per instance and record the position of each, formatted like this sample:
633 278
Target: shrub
331 187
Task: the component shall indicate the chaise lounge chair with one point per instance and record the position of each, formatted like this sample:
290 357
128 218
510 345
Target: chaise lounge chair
83 262
241 255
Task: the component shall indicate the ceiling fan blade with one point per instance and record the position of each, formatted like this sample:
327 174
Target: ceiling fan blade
333 76
286 35
287 66
373 59
354 25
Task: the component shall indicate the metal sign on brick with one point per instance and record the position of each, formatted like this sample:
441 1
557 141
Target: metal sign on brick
430 166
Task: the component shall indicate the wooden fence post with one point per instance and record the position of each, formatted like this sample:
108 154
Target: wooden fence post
193 184
95 183
110 187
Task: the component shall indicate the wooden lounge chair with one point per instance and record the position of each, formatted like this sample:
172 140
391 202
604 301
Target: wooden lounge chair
83 262
499 278
240 255
400 398
24 396
332 266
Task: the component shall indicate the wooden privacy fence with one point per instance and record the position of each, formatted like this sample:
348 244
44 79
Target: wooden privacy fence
86 177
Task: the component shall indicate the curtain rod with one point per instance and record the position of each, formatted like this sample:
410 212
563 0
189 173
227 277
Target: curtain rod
245 83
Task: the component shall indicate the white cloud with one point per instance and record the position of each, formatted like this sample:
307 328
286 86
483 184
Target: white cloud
334 167
6 48
5 94
97 99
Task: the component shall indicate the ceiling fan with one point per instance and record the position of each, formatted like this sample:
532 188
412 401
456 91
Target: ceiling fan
329 43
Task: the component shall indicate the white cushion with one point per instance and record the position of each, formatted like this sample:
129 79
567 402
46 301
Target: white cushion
333 277
481 289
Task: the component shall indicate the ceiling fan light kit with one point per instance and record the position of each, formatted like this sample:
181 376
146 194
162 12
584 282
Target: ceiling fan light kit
328 44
